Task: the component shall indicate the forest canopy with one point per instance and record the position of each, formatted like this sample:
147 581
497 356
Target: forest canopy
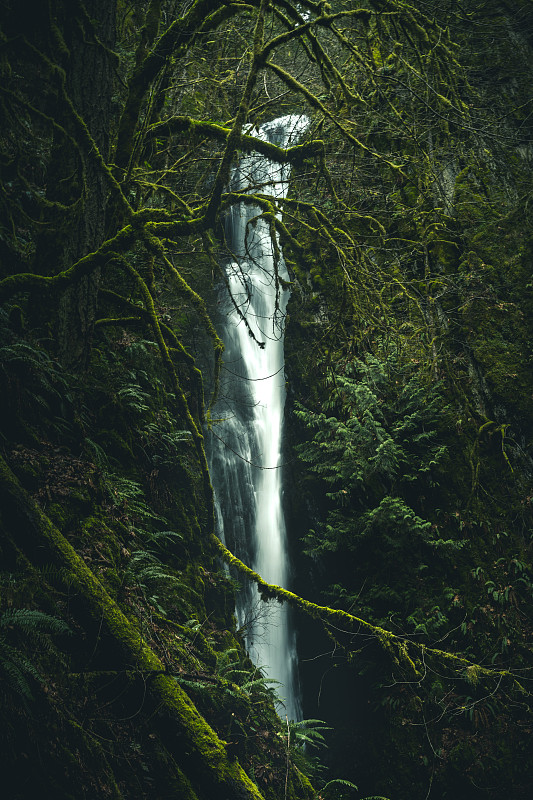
407 234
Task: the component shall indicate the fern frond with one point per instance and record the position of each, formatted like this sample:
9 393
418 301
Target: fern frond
336 782
32 622
308 732
16 668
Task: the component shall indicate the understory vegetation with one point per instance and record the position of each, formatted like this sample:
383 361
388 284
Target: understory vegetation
406 231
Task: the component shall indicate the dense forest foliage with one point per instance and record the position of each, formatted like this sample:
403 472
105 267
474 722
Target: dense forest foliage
407 234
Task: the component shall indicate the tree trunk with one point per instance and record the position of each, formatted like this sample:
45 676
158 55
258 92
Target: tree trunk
195 745
83 36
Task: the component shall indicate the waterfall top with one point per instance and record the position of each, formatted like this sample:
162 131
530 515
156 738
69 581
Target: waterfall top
284 131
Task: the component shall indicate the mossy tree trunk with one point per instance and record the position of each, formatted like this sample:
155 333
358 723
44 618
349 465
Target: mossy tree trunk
195 745
80 42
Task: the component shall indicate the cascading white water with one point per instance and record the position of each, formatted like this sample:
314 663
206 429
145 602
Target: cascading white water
246 451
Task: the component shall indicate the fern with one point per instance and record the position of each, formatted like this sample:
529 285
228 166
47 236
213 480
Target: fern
36 627
378 440
341 782
308 732
250 680
148 575
227 661
32 622
35 385
97 453
134 399
163 539
17 668
144 568
163 441
129 495
200 687
260 687
377 436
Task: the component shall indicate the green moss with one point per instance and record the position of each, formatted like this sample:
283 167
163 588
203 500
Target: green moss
176 782
404 653
445 254
198 739
60 515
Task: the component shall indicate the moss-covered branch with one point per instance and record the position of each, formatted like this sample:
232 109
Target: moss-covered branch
316 103
144 316
154 246
26 281
188 736
406 654
173 42
143 222
234 137
196 127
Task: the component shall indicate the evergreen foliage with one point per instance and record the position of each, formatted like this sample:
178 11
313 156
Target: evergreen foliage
35 629
407 232
379 448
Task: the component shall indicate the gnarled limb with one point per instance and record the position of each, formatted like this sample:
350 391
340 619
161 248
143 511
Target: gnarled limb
174 41
189 737
185 124
25 281
404 653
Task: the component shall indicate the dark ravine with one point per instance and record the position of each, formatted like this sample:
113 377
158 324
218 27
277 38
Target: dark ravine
406 236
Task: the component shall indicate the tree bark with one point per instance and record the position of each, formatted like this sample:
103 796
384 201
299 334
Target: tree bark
80 40
195 745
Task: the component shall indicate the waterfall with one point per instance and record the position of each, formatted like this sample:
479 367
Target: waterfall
245 456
